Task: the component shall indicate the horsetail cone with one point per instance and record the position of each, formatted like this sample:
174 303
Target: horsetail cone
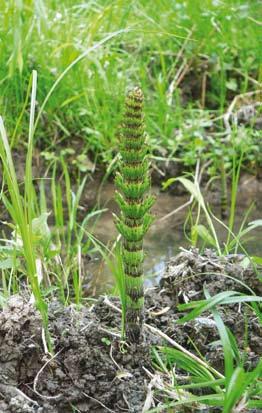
133 184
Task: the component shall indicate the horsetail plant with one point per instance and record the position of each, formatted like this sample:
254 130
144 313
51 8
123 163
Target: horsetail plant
223 197
133 184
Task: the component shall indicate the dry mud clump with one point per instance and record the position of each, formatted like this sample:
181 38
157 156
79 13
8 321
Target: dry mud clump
91 371
88 372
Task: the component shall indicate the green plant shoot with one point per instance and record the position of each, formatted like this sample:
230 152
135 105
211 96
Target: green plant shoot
133 184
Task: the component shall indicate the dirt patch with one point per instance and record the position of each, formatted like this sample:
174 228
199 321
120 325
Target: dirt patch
92 371
183 281
89 371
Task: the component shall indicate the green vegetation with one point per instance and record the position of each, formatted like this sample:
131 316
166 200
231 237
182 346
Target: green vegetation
192 58
202 229
49 259
21 207
198 64
133 182
234 389
241 389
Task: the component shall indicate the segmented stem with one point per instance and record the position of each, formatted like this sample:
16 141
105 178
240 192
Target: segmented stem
133 183
223 196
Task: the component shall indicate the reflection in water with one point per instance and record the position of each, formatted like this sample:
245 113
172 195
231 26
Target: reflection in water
164 238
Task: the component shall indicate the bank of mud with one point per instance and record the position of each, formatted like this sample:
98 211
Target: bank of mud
91 369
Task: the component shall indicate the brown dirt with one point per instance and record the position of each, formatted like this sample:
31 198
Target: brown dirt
183 281
92 371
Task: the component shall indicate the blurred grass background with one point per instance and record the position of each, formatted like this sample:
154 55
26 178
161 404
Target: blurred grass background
190 57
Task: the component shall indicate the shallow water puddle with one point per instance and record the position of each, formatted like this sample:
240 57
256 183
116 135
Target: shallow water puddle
166 236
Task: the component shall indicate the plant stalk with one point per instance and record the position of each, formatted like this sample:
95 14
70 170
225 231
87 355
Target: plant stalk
133 183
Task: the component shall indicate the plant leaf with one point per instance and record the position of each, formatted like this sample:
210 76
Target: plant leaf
206 305
205 235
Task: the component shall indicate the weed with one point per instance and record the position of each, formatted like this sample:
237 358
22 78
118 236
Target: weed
190 72
49 258
21 207
235 390
133 182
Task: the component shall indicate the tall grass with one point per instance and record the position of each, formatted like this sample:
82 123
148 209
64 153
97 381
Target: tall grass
21 206
204 227
52 256
162 50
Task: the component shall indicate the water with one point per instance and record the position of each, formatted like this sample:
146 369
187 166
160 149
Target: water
166 236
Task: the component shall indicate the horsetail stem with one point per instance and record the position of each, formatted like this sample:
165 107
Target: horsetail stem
133 183
223 196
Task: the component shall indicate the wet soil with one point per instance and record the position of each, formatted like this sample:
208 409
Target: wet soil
92 370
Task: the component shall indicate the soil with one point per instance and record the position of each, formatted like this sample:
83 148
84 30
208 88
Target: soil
92 370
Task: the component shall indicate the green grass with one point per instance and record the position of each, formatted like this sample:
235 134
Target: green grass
217 41
191 58
235 390
201 225
49 259
20 207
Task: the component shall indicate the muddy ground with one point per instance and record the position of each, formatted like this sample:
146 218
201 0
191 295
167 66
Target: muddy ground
91 370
